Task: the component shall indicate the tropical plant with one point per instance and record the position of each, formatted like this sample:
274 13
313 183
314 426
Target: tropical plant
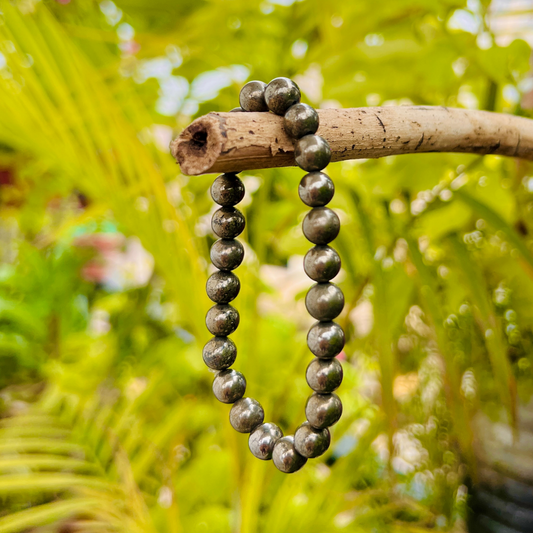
107 419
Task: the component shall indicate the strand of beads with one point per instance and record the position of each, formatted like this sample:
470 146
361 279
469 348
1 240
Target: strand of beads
222 319
324 301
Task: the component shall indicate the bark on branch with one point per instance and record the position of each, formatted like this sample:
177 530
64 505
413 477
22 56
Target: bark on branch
232 142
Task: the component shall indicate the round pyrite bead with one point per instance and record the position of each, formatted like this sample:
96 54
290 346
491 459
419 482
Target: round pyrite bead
227 190
323 410
263 439
312 153
285 457
219 353
246 414
321 225
252 96
223 287
280 94
222 320
322 263
229 386
300 120
325 339
311 442
228 222
324 375
324 301
227 254
316 189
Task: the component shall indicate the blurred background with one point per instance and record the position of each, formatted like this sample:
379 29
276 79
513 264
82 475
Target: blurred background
107 420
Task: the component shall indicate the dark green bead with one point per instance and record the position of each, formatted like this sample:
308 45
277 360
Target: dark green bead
252 96
322 263
219 353
285 457
310 442
222 320
300 120
316 189
312 153
223 287
246 414
325 339
227 190
324 301
228 222
227 254
324 375
321 225
229 386
323 410
280 94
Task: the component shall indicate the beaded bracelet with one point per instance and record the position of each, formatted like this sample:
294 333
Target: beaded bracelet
324 301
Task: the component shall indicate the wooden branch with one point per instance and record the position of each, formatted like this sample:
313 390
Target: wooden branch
231 142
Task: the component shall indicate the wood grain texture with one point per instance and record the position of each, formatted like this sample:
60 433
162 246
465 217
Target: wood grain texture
232 142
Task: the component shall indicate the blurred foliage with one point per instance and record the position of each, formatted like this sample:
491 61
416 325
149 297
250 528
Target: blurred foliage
107 418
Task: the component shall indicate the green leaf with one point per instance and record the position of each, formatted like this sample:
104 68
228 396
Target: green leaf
44 462
382 331
39 445
48 513
430 296
490 327
17 483
439 222
500 224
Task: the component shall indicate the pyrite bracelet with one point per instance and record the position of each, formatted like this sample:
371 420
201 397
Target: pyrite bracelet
324 301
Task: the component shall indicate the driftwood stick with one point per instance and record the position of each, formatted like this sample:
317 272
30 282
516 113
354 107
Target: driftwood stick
231 142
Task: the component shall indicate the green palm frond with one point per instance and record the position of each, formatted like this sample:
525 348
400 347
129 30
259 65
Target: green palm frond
56 107
53 476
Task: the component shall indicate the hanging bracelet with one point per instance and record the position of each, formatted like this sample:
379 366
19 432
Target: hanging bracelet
324 300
